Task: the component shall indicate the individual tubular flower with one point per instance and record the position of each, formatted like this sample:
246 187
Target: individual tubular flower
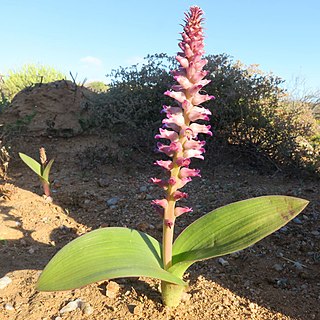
179 126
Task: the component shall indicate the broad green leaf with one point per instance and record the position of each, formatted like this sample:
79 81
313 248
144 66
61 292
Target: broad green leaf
105 254
232 228
46 171
31 163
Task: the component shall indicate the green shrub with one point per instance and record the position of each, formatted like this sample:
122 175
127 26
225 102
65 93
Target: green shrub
251 110
97 86
27 76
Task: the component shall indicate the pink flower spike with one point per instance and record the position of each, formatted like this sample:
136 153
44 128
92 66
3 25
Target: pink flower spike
178 211
164 164
187 172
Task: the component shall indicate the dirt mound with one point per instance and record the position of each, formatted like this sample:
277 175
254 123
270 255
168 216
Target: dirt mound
55 109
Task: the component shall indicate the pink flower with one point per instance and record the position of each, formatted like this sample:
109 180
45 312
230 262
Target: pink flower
180 195
171 149
164 164
167 134
179 125
200 128
178 211
187 172
161 203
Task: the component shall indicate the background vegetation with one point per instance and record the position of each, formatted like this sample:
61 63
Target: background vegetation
27 76
252 113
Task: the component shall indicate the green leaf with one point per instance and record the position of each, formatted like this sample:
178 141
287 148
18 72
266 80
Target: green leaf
31 163
105 254
46 171
232 228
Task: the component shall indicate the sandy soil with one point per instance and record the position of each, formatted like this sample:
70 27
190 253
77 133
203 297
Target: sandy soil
278 278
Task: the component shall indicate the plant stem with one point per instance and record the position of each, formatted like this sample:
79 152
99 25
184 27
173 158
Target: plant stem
168 230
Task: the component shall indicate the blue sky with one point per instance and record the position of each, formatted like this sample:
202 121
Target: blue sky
92 37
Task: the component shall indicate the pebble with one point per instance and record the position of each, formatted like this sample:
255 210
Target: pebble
71 306
315 233
9 307
4 282
31 250
103 182
143 189
86 308
277 267
298 265
112 201
297 221
223 262
282 282
112 289
284 229
185 297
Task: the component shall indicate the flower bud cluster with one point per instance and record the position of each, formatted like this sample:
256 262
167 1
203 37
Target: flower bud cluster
179 126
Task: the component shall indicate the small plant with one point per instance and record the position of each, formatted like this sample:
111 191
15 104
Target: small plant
121 252
42 169
4 162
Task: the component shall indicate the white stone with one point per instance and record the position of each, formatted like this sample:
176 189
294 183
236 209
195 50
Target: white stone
4 282
71 306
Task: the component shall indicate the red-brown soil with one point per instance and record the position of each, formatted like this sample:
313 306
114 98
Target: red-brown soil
278 278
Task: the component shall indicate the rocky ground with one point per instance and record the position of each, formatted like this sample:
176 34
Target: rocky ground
278 278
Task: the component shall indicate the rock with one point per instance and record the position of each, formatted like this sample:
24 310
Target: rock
223 262
31 250
185 297
9 307
282 282
103 182
112 201
71 306
86 308
143 189
315 233
297 221
112 290
284 229
277 267
4 282
298 265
